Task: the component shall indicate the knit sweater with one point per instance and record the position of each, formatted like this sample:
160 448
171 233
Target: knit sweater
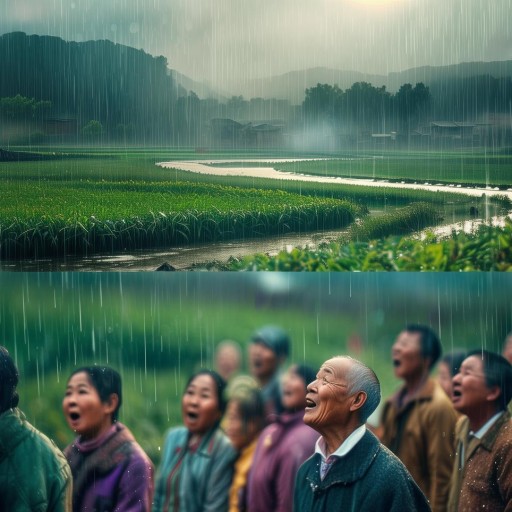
111 473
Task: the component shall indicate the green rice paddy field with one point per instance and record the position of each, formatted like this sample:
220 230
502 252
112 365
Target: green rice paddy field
86 200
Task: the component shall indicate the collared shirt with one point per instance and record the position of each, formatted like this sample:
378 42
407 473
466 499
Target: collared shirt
341 451
485 428
479 434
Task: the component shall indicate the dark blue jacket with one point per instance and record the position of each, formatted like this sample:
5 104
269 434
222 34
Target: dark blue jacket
368 479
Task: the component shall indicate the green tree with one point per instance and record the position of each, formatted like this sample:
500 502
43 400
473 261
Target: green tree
21 108
92 130
366 106
322 103
412 105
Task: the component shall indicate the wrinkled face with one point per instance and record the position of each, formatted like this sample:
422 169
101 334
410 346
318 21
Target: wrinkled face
293 390
239 431
444 378
85 413
200 405
263 361
406 354
470 390
327 400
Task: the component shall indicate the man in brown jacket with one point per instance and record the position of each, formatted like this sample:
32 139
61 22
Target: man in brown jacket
418 422
482 473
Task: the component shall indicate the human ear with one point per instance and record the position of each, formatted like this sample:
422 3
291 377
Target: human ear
358 400
493 394
111 404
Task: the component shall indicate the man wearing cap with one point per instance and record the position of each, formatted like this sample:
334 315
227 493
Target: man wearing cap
268 351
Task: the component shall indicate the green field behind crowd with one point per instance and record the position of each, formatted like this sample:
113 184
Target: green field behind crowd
89 200
157 328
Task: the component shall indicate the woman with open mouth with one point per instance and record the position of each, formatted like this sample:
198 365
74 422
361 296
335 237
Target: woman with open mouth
197 461
110 470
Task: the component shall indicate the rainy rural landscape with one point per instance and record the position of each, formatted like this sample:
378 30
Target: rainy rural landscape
156 329
217 138
360 148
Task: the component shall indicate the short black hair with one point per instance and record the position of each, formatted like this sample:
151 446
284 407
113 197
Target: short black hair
8 381
220 386
498 372
429 341
106 381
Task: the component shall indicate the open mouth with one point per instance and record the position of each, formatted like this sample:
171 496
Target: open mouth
396 363
456 394
192 416
310 404
74 416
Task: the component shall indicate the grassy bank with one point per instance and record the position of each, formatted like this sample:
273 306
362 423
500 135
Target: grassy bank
489 249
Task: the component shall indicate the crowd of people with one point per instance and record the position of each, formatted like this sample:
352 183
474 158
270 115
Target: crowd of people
282 439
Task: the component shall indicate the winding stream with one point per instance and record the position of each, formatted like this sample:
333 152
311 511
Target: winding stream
183 257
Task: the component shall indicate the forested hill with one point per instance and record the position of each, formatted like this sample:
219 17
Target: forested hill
96 80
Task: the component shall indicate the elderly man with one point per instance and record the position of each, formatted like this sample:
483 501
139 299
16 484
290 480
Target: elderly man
351 469
418 421
482 473
34 475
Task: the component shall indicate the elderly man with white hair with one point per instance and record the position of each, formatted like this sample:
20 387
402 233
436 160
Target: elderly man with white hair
351 469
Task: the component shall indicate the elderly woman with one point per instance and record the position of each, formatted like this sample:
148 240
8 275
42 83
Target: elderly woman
110 470
282 447
197 462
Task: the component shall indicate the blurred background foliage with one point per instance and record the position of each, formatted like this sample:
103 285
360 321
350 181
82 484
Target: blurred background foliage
157 328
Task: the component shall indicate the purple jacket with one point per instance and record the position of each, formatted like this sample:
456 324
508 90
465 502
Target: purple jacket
282 447
111 473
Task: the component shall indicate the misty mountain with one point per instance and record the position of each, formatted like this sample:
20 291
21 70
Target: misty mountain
202 89
291 86
113 84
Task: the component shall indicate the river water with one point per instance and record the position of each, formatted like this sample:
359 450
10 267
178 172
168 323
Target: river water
186 256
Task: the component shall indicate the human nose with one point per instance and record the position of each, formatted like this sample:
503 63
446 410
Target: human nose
311 386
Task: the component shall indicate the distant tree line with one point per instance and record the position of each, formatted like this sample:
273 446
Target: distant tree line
111 92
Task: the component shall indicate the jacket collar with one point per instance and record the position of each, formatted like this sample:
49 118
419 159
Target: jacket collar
348 469
490 437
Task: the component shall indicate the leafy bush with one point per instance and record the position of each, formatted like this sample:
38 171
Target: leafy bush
488 249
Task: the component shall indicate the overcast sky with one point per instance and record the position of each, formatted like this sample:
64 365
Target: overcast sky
225 41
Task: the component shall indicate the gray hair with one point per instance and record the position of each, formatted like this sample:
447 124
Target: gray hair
362 378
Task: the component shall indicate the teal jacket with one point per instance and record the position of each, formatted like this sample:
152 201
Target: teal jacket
205 475
34 474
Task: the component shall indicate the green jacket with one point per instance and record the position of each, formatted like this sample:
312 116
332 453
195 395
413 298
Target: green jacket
34 474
